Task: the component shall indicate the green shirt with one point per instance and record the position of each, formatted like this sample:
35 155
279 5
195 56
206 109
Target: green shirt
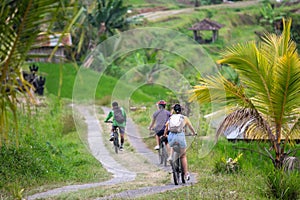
115 123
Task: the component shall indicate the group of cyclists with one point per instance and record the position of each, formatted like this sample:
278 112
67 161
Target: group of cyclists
160 123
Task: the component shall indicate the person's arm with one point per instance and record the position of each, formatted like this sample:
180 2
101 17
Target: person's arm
152 124
189 124
110 114
166 129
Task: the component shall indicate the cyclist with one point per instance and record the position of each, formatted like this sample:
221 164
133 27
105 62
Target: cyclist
119 120
179 137
159 119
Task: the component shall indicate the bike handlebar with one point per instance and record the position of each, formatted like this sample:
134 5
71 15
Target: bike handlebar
108 122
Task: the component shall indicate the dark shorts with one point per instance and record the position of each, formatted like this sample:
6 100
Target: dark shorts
121 129
160 133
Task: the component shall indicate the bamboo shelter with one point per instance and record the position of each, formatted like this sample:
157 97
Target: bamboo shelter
206 25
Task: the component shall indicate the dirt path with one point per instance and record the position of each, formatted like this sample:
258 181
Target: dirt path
125 167
158 15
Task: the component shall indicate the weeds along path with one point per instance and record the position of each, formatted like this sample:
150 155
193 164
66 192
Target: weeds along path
137 164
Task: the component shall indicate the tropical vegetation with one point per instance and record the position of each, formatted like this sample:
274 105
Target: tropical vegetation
19 22
46 150
266 102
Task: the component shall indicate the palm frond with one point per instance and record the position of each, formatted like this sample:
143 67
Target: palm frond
20 22
219 90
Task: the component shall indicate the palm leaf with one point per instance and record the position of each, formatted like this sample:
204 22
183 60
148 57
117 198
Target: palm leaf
21 21
219 90
270 80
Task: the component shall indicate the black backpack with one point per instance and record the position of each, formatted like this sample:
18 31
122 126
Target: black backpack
118 115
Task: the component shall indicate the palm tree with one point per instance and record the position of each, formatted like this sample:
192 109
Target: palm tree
21 22
267 100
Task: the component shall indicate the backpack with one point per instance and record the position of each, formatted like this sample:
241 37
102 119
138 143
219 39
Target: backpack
176 123
118 115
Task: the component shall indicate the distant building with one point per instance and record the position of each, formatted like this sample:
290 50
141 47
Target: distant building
45 44
206 25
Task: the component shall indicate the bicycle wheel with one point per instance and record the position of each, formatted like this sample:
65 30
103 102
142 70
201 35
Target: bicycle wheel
116 142
160 155
174 173
164 155
181 173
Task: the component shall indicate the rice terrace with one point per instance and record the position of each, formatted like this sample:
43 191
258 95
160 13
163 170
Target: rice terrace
229 69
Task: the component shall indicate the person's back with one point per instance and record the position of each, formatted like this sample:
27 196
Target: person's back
159 119
161 116
177 135
119 120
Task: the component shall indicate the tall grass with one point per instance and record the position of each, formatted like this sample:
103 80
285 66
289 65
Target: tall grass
51 153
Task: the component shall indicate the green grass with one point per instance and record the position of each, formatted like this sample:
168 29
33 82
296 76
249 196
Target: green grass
105 87
51 153
169 4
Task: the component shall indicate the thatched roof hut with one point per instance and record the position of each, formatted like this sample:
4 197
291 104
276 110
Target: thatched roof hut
206 25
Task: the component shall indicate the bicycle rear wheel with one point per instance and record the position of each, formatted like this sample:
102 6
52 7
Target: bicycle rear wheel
164 155
182 173
174 173
160 155
116 142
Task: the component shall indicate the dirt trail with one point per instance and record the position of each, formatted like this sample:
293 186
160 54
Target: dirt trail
125 166
158 15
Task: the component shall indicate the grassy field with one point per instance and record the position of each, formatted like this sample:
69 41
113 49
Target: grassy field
52 152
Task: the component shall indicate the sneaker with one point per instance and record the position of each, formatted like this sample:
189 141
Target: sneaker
121 148
111 138
187 177
156 147
169 158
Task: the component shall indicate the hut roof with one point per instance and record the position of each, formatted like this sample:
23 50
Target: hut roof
52 40
206 24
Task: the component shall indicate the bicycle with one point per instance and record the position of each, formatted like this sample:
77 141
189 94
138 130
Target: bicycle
162 151
116 137
176 165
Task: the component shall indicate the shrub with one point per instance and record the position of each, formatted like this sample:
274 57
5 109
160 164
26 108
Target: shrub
282 185
228 166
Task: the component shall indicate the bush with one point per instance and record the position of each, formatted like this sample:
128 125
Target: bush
228 166
282 185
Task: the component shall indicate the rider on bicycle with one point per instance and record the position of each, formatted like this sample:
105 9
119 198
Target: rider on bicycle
119 120
159 119
179 138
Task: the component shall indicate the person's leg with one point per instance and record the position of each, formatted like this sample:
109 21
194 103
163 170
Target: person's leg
183 145
157 138
171 141
170 154
122 133
122 139
183 160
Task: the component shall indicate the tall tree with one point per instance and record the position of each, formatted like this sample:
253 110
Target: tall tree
21 21
109 16
268 94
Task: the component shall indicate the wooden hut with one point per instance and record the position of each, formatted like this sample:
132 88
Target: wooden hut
45 44
206 25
